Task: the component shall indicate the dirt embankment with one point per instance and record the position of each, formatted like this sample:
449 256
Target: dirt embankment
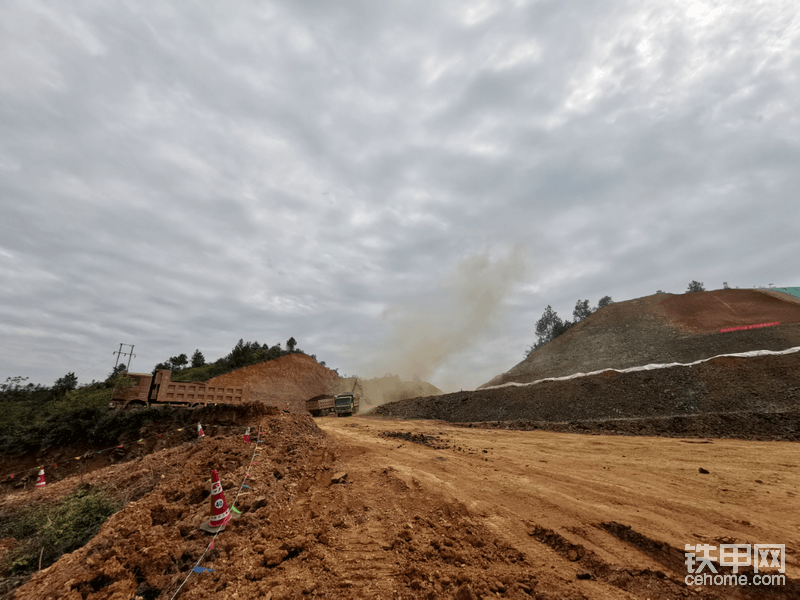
664 328
289 379
157 434
677 400
371 534
363 513
295 378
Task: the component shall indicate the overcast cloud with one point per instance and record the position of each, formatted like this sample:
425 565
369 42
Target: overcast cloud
380 180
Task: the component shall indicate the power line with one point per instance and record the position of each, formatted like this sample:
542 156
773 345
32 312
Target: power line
121 353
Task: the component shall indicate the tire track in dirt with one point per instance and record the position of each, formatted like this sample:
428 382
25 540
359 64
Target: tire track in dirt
571 485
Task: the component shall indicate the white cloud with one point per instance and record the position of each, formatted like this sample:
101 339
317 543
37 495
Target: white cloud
179 177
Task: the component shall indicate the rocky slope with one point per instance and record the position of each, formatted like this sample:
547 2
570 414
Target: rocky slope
664 328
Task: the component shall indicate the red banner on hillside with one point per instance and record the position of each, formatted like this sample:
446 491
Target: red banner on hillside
740 327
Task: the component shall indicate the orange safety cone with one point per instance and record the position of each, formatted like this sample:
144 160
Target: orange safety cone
40 480
220 513
200 431
247 436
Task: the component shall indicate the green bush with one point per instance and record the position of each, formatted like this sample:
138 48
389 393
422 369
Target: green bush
39 423
52 530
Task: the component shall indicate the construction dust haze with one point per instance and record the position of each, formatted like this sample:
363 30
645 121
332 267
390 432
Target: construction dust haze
437 326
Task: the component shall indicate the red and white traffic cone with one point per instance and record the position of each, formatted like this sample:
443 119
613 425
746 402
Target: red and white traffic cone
220 513
287 408
40 480
200 431
247 436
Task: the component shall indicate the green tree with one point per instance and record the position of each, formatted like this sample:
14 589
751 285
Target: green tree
291 344
198 360
548 327
179 362
111 380
581 310
604 301
239 356
725 285
696 286
65 384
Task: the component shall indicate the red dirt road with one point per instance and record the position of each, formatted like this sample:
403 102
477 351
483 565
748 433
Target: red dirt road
520 483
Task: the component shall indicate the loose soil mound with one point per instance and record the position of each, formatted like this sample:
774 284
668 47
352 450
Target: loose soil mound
767 385
373 535
419 438
663 328
290 379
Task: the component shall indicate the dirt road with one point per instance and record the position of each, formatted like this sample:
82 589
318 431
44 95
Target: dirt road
619 508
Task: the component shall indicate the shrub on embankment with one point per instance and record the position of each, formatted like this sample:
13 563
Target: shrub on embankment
44 532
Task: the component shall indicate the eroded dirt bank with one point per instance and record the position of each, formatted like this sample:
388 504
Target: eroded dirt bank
469 513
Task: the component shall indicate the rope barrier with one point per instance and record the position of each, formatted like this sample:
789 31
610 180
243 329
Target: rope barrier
197 568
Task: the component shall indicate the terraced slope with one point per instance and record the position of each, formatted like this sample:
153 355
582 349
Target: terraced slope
664 328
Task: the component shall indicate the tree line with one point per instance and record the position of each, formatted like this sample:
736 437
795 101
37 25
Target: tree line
550 325
243 354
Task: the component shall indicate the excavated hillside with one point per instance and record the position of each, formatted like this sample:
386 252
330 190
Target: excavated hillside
664 328
747 397
295 378
289 380
728 397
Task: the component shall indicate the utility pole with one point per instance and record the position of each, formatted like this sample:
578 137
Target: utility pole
121 353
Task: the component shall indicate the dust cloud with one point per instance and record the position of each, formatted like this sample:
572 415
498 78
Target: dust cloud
428 332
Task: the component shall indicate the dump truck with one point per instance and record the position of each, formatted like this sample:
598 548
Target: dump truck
159 390
320 406
345 404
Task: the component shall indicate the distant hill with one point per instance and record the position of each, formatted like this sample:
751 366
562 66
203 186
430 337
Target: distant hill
664 328
297 377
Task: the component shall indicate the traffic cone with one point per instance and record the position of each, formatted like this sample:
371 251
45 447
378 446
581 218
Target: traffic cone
220 513
200 431
287 408
40 480
247 436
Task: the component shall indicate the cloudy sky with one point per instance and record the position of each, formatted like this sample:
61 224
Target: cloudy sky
403 187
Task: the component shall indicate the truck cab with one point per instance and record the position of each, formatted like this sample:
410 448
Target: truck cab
345 405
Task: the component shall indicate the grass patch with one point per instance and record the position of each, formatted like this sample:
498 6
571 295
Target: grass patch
47 531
